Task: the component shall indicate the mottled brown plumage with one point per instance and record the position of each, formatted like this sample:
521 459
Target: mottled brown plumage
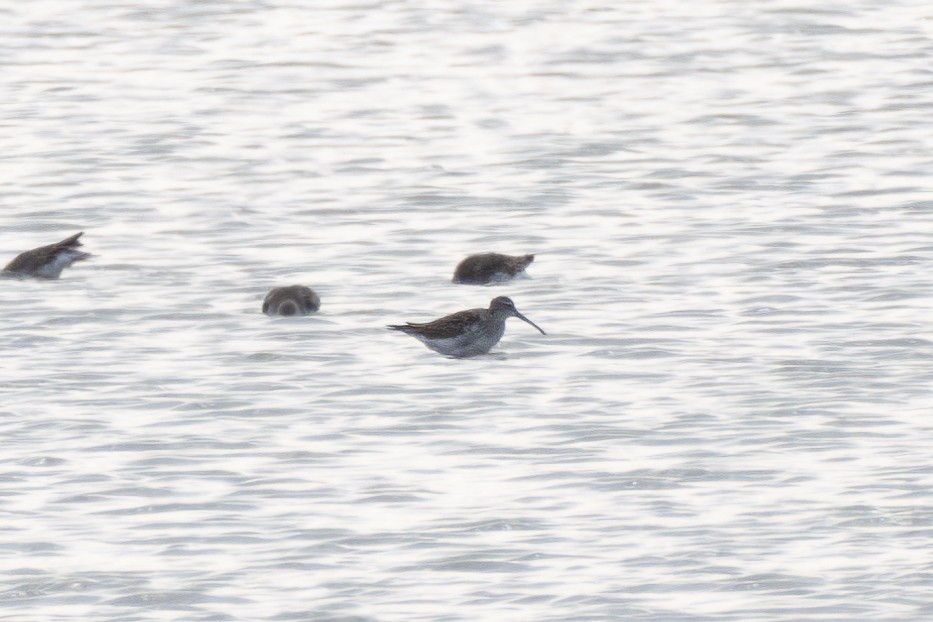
47 261
447 327
486 268
466 333
291 300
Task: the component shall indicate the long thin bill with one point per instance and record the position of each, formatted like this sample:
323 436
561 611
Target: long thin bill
522 317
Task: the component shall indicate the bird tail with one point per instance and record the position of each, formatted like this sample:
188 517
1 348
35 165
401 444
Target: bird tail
70 246
71 242
80 255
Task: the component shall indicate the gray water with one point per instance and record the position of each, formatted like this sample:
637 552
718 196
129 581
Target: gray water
730 416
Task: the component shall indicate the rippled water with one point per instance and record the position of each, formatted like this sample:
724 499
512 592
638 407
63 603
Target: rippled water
728 420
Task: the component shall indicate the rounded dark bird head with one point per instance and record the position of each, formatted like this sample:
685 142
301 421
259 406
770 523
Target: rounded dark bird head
502 306
291 300
288 308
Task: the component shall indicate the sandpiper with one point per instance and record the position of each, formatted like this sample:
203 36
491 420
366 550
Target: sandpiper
47 262
490 268
466 333
291 300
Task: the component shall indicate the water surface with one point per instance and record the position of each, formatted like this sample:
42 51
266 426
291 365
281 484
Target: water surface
729 418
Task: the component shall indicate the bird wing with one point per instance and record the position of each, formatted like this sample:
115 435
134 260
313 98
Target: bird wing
37 257
69 241
449 326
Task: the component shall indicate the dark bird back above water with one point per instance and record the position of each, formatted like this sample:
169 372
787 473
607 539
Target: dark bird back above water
466 333
291 300
47 262
490 268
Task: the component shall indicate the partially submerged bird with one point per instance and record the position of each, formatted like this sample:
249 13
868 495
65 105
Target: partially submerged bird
291 300
466 333
486 268
47 262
